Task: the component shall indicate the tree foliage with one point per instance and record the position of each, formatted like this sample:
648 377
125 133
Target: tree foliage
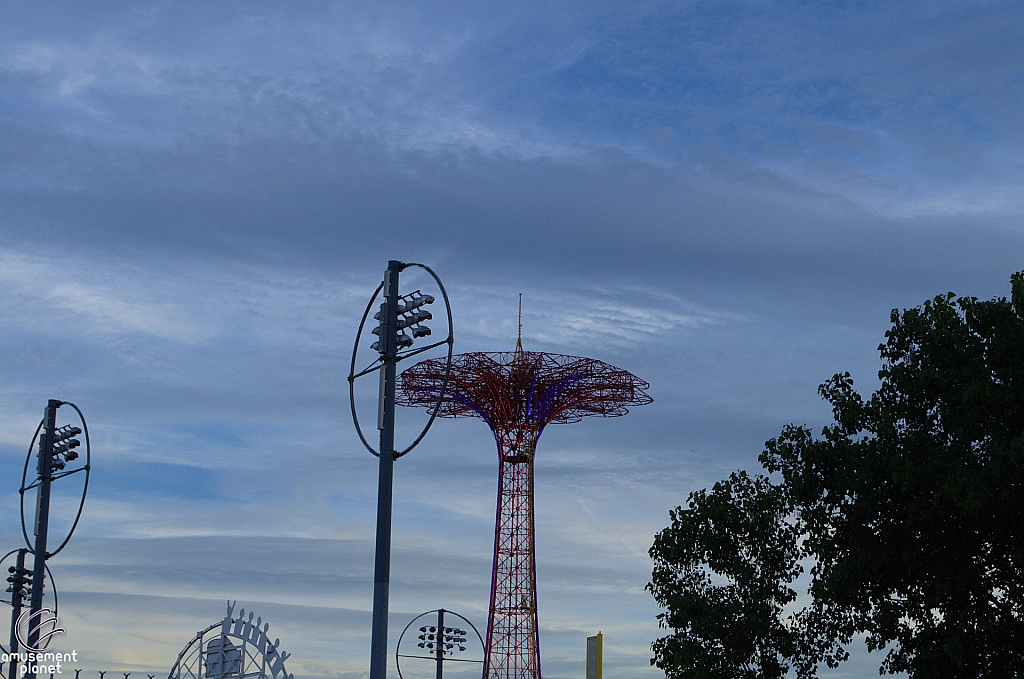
910 508
731 628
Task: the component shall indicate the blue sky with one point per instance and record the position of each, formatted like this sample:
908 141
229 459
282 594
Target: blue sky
726 199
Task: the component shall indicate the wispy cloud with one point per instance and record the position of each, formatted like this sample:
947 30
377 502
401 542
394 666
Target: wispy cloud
725 199
53 296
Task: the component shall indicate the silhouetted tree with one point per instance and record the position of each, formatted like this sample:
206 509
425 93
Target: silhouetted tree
910 508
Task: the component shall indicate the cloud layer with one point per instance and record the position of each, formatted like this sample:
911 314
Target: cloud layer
726 199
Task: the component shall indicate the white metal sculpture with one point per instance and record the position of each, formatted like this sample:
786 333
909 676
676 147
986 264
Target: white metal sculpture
234 648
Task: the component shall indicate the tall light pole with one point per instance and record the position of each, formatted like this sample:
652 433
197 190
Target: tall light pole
19 579
400 319
388 346
56 451
442 641
438 641
45 469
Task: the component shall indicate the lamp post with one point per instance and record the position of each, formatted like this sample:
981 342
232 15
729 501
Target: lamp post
387 345
50 439
439 643
400 319
56 452
19 580
441 640
20 588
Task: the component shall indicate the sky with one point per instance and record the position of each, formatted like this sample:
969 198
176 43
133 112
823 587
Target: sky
197 200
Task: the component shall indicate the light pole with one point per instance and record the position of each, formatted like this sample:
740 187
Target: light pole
439 641
45 469
20 588
56 451
387 345
397 315
19 580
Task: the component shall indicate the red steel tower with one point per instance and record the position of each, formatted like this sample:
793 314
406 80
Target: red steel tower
517 394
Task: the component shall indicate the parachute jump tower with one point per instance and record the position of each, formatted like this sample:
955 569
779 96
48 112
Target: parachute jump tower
517 394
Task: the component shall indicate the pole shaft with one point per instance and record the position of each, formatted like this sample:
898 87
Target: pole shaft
382 558
439 640
45 465
16 601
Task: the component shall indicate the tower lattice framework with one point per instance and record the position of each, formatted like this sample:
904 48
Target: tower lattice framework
518 394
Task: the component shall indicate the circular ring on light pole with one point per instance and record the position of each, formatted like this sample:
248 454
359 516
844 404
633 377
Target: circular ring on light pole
352 376
53 588
398 646
85 487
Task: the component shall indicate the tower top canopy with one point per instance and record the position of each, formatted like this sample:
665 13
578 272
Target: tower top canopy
511 390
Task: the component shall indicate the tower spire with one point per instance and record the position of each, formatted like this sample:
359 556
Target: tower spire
519 338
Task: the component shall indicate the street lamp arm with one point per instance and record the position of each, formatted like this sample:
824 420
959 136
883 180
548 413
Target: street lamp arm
372 368
73 471
410 354
430 657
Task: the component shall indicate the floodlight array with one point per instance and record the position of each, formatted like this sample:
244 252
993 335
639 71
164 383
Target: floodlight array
410 316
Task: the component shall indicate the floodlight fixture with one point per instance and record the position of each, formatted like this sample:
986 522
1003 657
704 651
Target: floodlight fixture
440 643
21 580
